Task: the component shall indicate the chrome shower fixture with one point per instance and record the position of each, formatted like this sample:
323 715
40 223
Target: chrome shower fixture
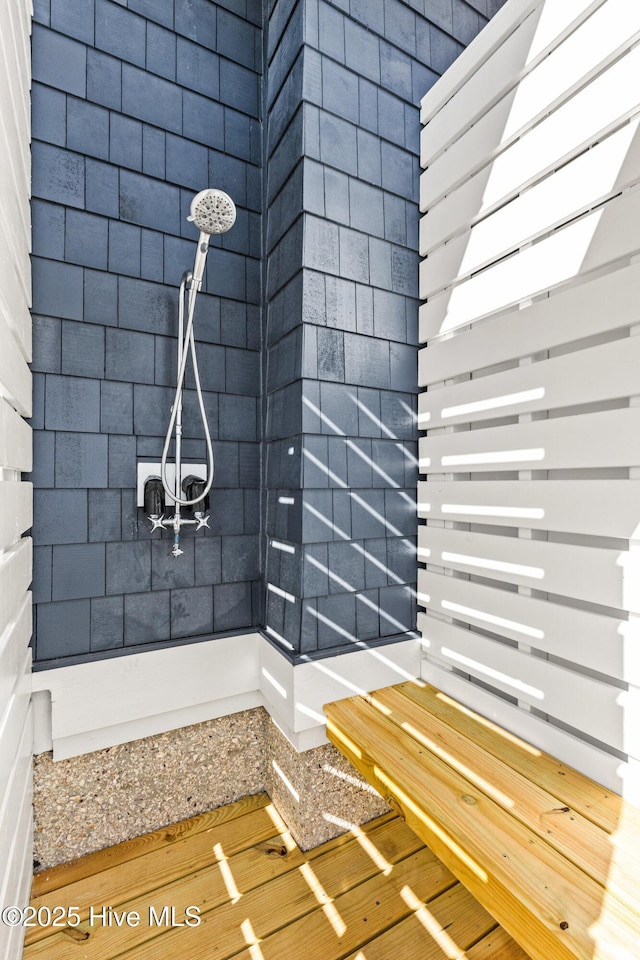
213 212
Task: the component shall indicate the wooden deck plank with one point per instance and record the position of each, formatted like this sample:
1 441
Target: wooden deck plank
289 900
388 845
572 788
447 927
66 873
116 885
374 878
345 924
498 945
213 887
206 888
530 888
576 838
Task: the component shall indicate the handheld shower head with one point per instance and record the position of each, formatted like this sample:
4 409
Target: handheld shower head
213 212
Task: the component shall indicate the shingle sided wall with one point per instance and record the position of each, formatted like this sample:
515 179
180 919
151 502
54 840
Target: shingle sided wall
307 327
137 106
343 84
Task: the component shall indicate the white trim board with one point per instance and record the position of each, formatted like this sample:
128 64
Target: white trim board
91 706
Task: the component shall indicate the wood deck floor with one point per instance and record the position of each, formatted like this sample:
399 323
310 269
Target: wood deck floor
376 893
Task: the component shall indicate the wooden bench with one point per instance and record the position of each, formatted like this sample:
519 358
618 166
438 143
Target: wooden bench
552 855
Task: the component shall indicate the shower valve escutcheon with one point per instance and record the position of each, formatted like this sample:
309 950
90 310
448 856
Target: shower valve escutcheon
154 506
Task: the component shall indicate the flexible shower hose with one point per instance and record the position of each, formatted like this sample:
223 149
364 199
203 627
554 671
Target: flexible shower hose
177 402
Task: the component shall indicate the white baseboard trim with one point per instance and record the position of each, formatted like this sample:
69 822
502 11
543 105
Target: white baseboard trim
91 706
295 696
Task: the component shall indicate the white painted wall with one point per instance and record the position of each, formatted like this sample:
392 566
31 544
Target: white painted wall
91 706
530 497
15 457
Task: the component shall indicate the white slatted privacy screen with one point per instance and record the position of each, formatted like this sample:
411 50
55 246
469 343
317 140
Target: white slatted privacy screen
15 457
530 494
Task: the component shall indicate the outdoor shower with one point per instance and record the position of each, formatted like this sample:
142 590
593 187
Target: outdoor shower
213 212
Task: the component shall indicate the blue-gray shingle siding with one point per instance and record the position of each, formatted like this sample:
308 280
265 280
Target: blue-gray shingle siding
307 349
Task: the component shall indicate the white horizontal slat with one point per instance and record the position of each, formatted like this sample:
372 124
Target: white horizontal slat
605 372
16 738
15 307
16 190
15 577
595 176
15 439
16 66
15 811
14 96
12 99
16 163
589 47
599 107
16 515
531 204
560 692
601 237
605 439
595 574
464 157
597 306
16 167
605 768
14 152
14 254
16 832
586 52
456 210
19 29
18 318
483 46
14 642
15 193
15 25
18 887
600 508
582 183
553 18
15 376
608 645
15 724
16 717
14 258
22 14
495 75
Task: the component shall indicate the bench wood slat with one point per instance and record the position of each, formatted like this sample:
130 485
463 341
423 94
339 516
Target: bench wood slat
529 887
497 946
572 788
575 837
